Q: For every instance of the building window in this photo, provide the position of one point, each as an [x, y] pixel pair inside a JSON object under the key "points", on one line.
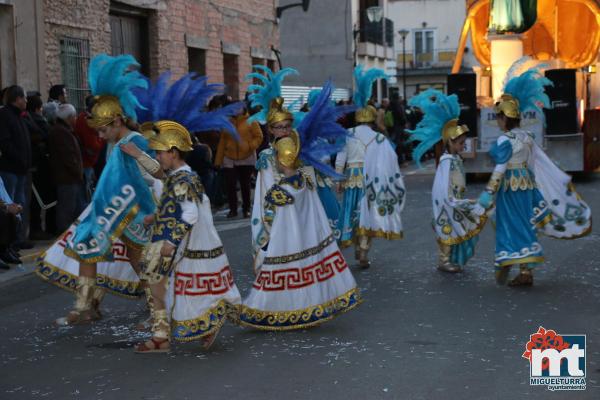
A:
{"points": [[424, 47], [231, 75], [74, 60], [271, 65], [197, 61]]}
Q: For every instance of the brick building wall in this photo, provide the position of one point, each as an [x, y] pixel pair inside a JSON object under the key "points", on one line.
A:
{"points": [[244, 29], [80, 19]]}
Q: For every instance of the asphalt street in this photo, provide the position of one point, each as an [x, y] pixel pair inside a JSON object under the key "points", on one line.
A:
{"points": [[420, 334]]}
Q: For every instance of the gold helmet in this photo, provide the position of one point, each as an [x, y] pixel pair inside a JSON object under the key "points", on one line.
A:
{"points": [[169, 134], [147, 129], [452, 130], [287, 149], [366, 114], [278, 113], [105, 110], [508, 106]]}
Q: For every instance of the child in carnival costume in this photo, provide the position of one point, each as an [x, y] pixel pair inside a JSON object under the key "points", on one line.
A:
{"points": [[457, 221], [531, 194], [185, 264], [374, 193], [191, 283], [302, 278], [110, 232]]}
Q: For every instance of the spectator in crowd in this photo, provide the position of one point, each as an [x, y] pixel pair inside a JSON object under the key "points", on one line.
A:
{"points": [[41, 177], [380, 120], [397, 134], [9, 214], [91, 146], [200, 159], [212, 138], [15, 146], [67, 167], [237, 159], [57, 94], [2, 101]]}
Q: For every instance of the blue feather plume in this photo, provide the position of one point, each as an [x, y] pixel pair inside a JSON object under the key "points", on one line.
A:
{"points": [[528, 89], [266, 91], [320, 134], [184, 102], [112, 76], [437, 110], [364, 84], [313, 95]]}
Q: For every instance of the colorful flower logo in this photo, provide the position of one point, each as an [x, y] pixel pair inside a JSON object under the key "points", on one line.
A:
{"points": [[545, 339]]}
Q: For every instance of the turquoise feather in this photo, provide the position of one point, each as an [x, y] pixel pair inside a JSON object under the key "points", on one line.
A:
{"points": [[113, 76]]}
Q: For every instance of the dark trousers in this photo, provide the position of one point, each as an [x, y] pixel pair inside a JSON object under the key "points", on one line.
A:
{"points": [[8, 232], [18, 188], [71, 202], [242, 174]]}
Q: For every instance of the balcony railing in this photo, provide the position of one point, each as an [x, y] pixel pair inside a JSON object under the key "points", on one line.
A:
{"points": [[432, 59], [381, 33]]}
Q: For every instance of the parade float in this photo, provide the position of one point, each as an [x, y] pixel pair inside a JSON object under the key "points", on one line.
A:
{"points": [[562, 38]]}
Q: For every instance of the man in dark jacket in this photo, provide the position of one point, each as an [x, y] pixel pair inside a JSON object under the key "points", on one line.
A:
{"points": [[67, 167], [15, 146], [41, 176]]}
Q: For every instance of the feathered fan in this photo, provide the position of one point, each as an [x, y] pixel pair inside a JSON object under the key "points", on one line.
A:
{"points": [[184, 102]]}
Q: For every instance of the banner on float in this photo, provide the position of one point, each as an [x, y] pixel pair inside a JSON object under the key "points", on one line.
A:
{"points": [[531, 121]]}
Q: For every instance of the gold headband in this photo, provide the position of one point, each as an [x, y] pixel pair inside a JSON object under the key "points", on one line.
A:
{"points": [[278, 113], [508, 106], [452, 130], [170, 134]]}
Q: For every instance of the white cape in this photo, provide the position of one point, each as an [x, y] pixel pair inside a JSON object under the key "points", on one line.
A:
{"points": [[571, 216], [454, 220], [385, 194]]}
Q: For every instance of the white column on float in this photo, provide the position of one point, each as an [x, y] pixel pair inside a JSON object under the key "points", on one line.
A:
{"points": [[506, 49]]}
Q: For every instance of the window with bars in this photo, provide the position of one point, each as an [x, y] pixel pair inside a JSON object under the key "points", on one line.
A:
{"points": [[74, 60]]}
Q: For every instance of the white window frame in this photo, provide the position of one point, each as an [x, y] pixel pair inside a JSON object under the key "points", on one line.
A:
{"points": [[424, 44]]}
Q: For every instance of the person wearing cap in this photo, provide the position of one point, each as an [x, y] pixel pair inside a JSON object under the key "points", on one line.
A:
{"points": [[531, 193], [457, 221], [374, 193], [186, 250]]}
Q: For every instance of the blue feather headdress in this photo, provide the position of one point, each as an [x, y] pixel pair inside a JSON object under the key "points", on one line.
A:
{"points": [[184, 102], [438, 109], [270, 88], [113, 76], [364, 84], [528, 90], [313, 95], [320, 134]]}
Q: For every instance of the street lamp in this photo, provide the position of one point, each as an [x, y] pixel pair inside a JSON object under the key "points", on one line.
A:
{"points": [[374, 15], [403, 34]]}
